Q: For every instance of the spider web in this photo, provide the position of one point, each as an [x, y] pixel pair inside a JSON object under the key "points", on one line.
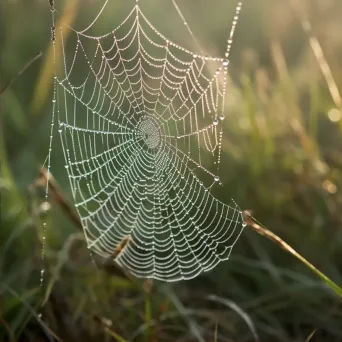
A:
{"points": [[139, 118]]}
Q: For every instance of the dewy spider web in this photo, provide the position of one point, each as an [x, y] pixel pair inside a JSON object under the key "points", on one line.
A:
{"points": [[136, 112]]}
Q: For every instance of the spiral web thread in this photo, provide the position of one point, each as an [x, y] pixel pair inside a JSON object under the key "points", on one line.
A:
{"points": [[136, 112]]}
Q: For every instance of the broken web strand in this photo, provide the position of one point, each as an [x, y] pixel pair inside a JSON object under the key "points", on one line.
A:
{"points": [[175, 213]]}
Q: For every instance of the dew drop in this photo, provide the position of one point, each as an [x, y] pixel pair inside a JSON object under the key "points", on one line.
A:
{"points": [[215, 122], [225, 62]]}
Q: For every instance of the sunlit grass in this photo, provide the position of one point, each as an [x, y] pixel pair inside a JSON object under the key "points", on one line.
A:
{"points": [[282, 159]]}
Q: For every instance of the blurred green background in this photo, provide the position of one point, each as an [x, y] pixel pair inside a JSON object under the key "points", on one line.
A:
{"points": [[282, 160]]}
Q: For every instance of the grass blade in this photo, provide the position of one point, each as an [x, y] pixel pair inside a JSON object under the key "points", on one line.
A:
{"points": [[230, 304], [275, 238]]}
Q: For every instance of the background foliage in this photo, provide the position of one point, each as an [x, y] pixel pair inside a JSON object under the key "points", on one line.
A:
{"points": [[282, 159]]}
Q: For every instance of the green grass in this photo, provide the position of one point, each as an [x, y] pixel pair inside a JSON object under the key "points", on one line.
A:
{"points": [[282, 160]]}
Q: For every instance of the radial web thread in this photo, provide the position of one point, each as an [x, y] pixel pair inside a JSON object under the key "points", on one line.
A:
{"points": [[138, 115]]}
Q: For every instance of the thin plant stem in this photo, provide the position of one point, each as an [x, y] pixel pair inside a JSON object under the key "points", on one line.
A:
{"points": [[21, 71], [250, 221]]}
